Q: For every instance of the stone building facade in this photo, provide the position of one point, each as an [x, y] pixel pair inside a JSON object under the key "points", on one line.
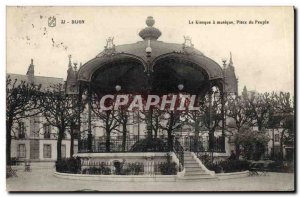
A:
{"points": [[33, 138]]}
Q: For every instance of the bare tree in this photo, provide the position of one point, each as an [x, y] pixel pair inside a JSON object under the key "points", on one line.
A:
{"points": [[282, 112], [109, 119], [22, 101], [59, 111], [73, 125], [153, 118], [195, 119], [260, 106], [239, 112], [212, 115], [171, 121], [122, 119]]}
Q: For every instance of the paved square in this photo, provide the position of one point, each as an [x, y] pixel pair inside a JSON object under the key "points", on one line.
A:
{"points": [[44, 180]]}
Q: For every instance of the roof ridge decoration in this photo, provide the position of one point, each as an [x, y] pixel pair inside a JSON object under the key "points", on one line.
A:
{"points": [[187, 42], [150, 32], [110, 47]]}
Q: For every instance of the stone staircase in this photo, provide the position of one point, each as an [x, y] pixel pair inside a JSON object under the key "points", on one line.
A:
{"points": [[193, 170]]}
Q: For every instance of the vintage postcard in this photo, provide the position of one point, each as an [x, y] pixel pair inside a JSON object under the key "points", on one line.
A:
{"points": [[148, 99]]}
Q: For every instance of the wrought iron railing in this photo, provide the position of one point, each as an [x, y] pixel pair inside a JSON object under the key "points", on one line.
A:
{"points": [[190, 143], [187, 143], [117, 144], [179, 152]]}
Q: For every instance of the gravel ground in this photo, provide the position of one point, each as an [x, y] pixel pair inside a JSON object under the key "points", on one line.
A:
{"points": [[44, 180]]}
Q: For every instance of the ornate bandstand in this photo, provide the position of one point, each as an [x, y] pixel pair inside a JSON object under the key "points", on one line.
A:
{"points": [[147, 67]]}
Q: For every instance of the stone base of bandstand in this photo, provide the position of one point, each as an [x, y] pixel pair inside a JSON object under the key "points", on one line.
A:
{"points": [[149, 160]]}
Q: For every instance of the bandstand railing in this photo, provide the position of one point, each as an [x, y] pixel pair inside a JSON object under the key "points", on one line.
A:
{"points": [[190, 143], [117, 144], [186, 143]]}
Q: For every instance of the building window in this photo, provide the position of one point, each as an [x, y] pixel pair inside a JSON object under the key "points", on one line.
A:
{"points": [[21, 130], [276, 137], [21, 151], [34, 149], [47, 151], [47, 131]]}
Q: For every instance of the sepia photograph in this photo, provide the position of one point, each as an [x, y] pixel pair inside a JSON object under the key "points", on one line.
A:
{"points": [[150, 99]]}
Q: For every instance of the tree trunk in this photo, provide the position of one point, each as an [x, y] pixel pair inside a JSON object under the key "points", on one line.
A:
{"points": [[281, 144], [149, 123], [259, 125], [237, 151], [170, 140], [107, 140], [196, 137], [156, 127], [124, 137], [9, 124], [61, 132], [71, 141], [211, 140], [237, 145], [170, 129]]}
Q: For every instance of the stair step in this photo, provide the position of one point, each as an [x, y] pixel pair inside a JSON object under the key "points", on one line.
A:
{"points": [[198, 177], [190, 169], [190, 161], [189, 173], [192, 166], [193, 171]]}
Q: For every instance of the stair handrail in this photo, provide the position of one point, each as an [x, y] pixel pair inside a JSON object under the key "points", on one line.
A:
{"points": [[179, 152]]}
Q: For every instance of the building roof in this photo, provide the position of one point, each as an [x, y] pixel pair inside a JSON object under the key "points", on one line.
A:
{"points": [[44, 81], [149, 51]]}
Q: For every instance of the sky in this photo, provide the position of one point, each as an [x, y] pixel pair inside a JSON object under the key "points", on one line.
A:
{"points": [[263, 55]]}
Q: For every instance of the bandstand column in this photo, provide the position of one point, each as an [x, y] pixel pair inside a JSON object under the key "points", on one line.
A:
{"points": [[89, 137], [211, 135], [223, 95], [78, 116], [210, 132]]}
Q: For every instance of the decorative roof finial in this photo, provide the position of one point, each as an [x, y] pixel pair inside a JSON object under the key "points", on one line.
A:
{"points": [[75, 66], [224, 63], [150, 21], [187, 42], [110, 43], [150, 32]]}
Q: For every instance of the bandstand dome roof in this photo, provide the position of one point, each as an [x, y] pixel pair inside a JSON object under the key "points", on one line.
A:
{"points": [[151, 51]]}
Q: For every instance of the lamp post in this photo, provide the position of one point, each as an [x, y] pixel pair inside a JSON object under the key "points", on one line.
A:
{"points": [[223, 96], [148, 51]]}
